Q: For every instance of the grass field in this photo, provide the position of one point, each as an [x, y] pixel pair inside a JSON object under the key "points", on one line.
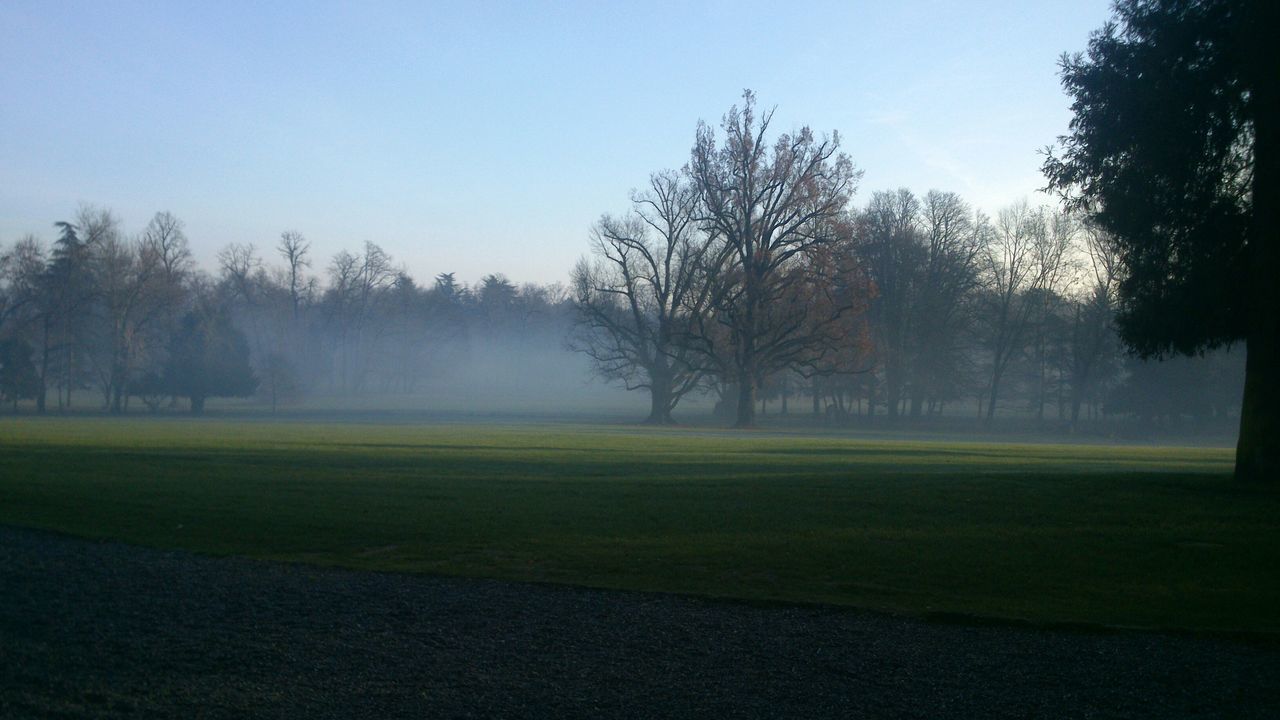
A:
{"points": [[1124, 536]]}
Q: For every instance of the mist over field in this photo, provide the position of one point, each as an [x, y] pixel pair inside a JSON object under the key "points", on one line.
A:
{"points": [[276, 331], [535, 376]]}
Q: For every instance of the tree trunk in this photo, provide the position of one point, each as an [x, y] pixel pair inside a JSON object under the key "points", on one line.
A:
{"points": [[1258, 448], [70, 373], [746, 404], [659, 401], [117, 398], [917, 402], [991, 399], [892, 390], [43, 394], [1040, 372]]}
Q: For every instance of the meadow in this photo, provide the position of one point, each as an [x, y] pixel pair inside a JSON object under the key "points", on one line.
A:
{"points": [[1136, 537]]}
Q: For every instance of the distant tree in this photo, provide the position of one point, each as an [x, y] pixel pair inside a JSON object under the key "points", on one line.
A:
{"points": [[943, 308], [447, 286], [279, 381], [240, 268], [637, 293], [1049, 329], [497, 298], [1093, 340], [445, 317], [357, 284], [1168, 391], [165, 238], [1023, 262], [25, 303], [208, 358], [18, 377], [294, 248], [21, 270], [286, 337], [889, 243], [138, 296], [838, 347], [772, 207], [152, 390], [119, 278], [69, 293], [1174, 150]]}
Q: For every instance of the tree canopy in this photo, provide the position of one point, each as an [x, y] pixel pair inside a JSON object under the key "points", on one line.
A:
{"points": [[209, 357]]}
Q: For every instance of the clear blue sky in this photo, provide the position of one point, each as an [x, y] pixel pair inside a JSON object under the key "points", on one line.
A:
{"points": [[487, 137]]}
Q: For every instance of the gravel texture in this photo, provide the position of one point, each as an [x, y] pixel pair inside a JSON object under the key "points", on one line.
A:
{"points": [[104, 630]]}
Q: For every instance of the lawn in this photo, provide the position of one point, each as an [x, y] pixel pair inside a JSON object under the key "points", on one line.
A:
{"points": [[1123, 536]]}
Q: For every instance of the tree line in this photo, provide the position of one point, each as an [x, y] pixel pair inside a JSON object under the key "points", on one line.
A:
{"points": [[749, 275], [132, 319]]}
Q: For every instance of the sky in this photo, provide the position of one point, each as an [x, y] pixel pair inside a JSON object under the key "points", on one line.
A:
{"points": [[482, 137]]}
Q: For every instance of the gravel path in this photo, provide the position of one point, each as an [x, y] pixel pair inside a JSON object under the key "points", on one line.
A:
{"points": [[106, 630]]}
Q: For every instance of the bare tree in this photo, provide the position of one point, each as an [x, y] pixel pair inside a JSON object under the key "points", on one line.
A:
{"points": [[838, 350], [635, 300], [165, 239], [294, 248], [27, 306], [240, 267], [1093, 337], [355, 285], [1023, 261], [889, 242], [139, 297], [943, 308], [771, 209], [20, 270], [119, 280]]}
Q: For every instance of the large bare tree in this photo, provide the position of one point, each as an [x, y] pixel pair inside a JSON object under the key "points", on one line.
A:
{"points": [[637, 295], [772, 208]]}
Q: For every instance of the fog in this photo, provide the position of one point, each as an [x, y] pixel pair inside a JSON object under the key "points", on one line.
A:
{"points": [[535, 377], [274, 331]]}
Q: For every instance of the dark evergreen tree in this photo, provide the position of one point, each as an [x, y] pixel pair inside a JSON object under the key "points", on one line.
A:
{"points": [[1175, 151], [208, 358], [18, 377]]}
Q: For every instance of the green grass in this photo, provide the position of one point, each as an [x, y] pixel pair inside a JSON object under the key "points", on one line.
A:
{"points": [[1125, 536]]}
